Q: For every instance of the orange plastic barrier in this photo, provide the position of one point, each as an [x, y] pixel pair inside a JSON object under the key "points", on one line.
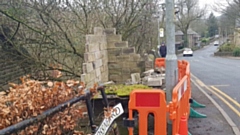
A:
{"points": [[145, 102], [159, 62], [183, 66], [180, 103]]}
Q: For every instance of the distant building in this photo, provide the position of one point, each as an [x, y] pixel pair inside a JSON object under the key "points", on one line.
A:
{"points": [[236, 37], [193, 38]]}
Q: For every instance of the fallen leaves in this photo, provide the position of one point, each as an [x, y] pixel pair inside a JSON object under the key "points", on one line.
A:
{"points": [[31, 98]]}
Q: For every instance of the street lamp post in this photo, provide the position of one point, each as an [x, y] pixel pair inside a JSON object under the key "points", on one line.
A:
{"points": [[158, 30], [171, 58]]}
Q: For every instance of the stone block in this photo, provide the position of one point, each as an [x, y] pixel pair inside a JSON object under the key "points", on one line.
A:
{"points": [[114, 65], [104, 68], [135, 70], [104, 61], [149, 64], [115, 51], [89, 57], [98, 55], [85, 78], [124, 64], [95, 39], [125, 77], [113, 38], [111, 44], [109, 31], [92, 47], [98, 72], [104, 78], [133, 64], [135, 77], [128, 50], [115, 71], [126, 71], [102, 46], [97, 79], [90, 84], [97, 63], [112, 58], [122, 44], [98, 31], [154, 81], [104, 53], [134, 57], [92, 75], [115, 78], [87, 67], [123, 57]]}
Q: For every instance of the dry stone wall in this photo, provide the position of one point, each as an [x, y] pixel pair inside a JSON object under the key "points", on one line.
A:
{"points": [[122, 59], [95, 67], [108, 58]]}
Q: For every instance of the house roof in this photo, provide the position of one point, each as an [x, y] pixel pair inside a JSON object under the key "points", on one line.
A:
{"points": [[178, 33], [189, 32]]}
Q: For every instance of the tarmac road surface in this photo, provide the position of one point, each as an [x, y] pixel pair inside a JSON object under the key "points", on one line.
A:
{"points": [[219, 77]]}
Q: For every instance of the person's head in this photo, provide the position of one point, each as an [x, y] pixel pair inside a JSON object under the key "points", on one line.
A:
{"points": [[163, 44]]}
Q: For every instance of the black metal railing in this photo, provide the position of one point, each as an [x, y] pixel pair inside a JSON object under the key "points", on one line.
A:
{"points": [[87, 97]]}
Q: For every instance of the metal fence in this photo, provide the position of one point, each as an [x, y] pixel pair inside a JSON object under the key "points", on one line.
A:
{"points": [[25, 123], [39, 120]]}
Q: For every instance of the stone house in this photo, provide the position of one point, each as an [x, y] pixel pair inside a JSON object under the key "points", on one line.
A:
{"points": [[193, 38], [236, 37]]}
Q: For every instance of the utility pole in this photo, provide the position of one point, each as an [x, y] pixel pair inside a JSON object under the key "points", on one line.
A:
{"points": [[171, 58], [158, 29]]}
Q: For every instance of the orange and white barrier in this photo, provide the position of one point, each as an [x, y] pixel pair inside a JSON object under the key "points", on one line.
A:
{"points": [[154, 101]]}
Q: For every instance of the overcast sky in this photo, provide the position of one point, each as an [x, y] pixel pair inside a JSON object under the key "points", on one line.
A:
{"points": [[210, 3]]}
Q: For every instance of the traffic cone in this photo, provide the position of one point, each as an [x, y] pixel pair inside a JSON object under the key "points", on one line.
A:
{"points": [[183, 127]]}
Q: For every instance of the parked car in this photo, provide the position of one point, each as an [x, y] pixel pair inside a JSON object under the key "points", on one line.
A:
{"points": [[216, 43], [187, 52]]}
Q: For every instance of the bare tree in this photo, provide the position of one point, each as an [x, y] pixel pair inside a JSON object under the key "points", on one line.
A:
{"points": [[189, 12], [53, 33], [132, 19]]}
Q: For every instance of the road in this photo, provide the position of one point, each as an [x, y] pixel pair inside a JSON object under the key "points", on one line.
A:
{"points": [[220, 77]]}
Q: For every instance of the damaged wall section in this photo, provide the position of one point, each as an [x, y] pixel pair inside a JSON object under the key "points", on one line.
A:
{"points": [[122, 59], [95, 67], [108, 58]]}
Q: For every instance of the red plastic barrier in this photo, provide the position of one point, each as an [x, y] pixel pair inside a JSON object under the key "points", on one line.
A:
{"points": [[145, 102]]}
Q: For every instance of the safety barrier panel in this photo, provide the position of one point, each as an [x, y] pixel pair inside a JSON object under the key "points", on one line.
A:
{"points": [[183, 67], [146, 102], [159, 62], [180, 104]]}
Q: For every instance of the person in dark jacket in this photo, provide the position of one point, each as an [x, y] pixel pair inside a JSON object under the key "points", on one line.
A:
{"points": [[163, 50]]}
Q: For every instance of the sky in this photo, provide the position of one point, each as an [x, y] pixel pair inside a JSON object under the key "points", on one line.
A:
{"points": [[210, 3]]}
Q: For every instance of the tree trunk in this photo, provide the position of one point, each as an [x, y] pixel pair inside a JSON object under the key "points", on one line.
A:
{"points": [[185, 38]]}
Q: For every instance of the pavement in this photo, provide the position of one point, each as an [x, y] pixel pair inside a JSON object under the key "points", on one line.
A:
{"points": [[216, 123]]}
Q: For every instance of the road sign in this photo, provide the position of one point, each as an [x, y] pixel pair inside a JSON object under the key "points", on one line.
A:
{"points": [[115, 113], [161, 32]]}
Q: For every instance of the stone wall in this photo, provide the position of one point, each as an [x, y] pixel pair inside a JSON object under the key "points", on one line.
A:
{"points": [[108, 58], [122, 59], [223, 53], [95, 67]]}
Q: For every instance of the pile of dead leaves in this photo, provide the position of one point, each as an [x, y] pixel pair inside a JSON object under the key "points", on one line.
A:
{"points": [[31, 98]]}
